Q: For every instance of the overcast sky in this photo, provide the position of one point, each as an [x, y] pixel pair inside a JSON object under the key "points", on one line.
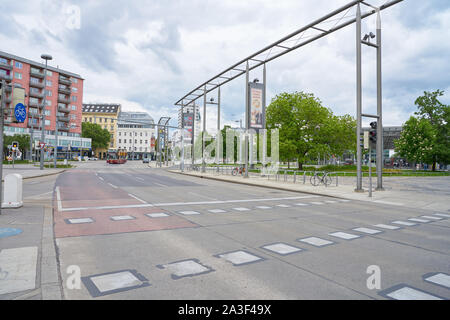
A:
{"points": [[146, 55]]}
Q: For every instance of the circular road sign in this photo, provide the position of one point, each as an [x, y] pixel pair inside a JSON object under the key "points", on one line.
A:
{"points": [[20, 112]]}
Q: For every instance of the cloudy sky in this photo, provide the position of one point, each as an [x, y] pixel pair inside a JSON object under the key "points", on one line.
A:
{"points": [[148, 54]]}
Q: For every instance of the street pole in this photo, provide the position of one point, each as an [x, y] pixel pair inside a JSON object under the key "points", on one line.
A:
{"points": [[204, 130], [370, 172], [2, 114], [46, 57], [182, 138], [219, 134], [56, 131], [166, 157], [358, 101], [380, 144], [31, 137], [193, 135], [246, 120]]}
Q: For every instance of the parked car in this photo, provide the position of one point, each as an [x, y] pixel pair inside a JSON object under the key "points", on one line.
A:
{"points": [[93, 158], [146, 160]]}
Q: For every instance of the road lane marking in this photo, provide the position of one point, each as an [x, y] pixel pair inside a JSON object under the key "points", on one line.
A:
{"points": [[386, 226], [157, 215], [409, 293], [440, 278], [186, 268], [58, 199], [263, 207], [241, 209], [283, 205], [109, 207], [390, 203], [432, 218], [18, 269], [101, 178], [367, 230], [282, 248], [188, 213], [442, 215], [317, 203], [344, 235], [115, 187], [133, 196], [217, 211], [418, 220], [404, 223], [238, 258], [318, 242]]}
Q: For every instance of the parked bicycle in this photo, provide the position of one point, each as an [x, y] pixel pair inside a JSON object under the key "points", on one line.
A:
{"points": [[238, 170], [319, 178]]}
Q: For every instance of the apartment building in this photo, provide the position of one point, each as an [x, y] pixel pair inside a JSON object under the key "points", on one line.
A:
{"points": [[105, 115], [136, 135], [60, 98]]}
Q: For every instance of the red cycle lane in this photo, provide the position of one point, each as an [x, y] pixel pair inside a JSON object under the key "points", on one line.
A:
{"points": [[78, 204]]}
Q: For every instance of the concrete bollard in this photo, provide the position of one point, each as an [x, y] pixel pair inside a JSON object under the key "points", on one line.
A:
{"points": [[13, 197]]}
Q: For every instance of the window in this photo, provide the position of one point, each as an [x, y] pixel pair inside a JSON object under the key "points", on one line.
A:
{"points": [[112, 127], [74, 98], [49, 73], [74, 89], [18, 75], [120, 141], [146, 141], [47, 112], [141, 134], [73, 116], [74, 80], [90, 119], [49, 93], [34, 80], [135, 141], [74, 108], [131, 141], [3, 61], [47, 122], [100, 120], [48, 103], [19, 65], [120, 133], [141, 142]]}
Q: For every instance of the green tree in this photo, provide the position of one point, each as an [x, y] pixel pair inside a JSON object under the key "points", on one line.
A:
{"points": [[438, 114], [22, 139], [307, 128], [100, 137], [417, 141]]}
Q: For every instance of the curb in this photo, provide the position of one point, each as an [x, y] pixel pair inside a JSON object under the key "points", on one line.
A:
{"points": [[258, 185], [43, 175]]}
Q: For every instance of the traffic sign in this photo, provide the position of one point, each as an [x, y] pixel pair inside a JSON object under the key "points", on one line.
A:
{"points": [[41, 145], [20, 112]]}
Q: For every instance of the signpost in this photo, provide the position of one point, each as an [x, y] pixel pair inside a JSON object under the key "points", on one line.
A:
{"points": [[20, 113]]}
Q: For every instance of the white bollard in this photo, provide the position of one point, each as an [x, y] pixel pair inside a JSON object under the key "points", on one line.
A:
{"points": [[13, 197]]}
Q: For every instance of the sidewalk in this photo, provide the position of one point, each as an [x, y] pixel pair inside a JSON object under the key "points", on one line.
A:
{"points": [[28, 171], [392, 196]]}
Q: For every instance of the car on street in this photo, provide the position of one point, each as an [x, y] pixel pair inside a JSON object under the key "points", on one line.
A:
{"points": [[146, 160], [93, 158]]}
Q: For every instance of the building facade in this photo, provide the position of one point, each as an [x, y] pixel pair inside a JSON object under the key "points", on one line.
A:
{"points": [[136, 135], [187, 117], [105, 115], [60, 97]]}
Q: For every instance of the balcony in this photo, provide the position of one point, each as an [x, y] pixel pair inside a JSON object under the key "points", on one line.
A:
{"points": [[64, 90], [37, 74], [39, 85], [63, 119], [7, 78], [6, 66], [63, 128], [63, 109], [63, 100], [34, 104], [34, 125], [36, 95], [65, 81]]}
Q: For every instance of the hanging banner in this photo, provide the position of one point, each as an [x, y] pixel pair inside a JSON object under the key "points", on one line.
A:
{"points": [[257, 112]]}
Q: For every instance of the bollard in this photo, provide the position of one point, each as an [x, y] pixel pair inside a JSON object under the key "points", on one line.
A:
{"points": [[13, 197], [295, 176], [304, 177]]}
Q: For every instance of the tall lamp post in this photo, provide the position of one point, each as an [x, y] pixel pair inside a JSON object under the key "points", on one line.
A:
{"points": [[46, 57]]}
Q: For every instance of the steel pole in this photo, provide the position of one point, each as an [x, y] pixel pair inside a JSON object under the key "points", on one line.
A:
{"points": [[55, 152], [204, 130], [246, 120], [43, 118], [380, 144], [182, 138], [358, 100], [2, 114], [31, 137], [219, 134], [193, 135]]}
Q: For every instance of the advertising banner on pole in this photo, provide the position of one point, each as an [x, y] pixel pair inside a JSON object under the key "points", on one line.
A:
{"points": [[257, 112]]}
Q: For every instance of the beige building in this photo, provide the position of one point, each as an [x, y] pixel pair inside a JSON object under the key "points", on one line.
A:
{"points": [[105, 115]]}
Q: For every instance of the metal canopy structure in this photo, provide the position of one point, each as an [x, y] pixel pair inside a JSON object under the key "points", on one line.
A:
{"points": [[326, 25]]}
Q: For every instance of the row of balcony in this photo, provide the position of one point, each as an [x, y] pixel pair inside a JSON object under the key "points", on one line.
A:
{"points": [[39, 85], [37, 125], [6, 66]]}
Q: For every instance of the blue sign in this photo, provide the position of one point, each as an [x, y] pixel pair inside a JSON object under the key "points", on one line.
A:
{"points": [[20, 112]]}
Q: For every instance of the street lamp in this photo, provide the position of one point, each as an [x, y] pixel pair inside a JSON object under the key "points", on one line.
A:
{"points": [[46, 57]]}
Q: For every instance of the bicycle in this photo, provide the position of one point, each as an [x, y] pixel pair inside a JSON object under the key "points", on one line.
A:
{"points": [[317, 179], [240, 170]]}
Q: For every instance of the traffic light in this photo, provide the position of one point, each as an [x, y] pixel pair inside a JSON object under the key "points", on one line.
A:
{"points": [[373, 133]]}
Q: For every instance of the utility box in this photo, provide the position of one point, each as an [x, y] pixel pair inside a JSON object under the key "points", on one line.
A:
{"points": [[13, 196]]}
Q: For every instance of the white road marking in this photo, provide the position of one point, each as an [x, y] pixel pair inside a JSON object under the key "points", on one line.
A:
{"points": [[391, 203], [188, 213], [217, 211], [157, 215], [80, 220], [101, 178], [284, 205], [133, 196], [201, 195], [18, 269], [239, 257], [330, 201], [317, 203], [407, 293], [186, 268], [432, 218], [404, 223], [241, 209], [300, 204], [115, 281], [440, 279], [282, 248], [39, 195], [386, 226], [419, 220], [263, 207], [120, 218], [367, 230], [318, 242], [344, 235], [58, 200], [139, 178], [115, 187], [109, 207], [442, 215], [159, 184]]}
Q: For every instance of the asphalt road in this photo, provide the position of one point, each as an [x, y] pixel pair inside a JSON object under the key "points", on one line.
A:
{"points": [[140, 233]]}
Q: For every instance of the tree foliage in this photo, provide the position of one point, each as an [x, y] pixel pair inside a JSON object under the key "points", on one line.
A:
{"points": [[307, 128], [100, 137]]}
